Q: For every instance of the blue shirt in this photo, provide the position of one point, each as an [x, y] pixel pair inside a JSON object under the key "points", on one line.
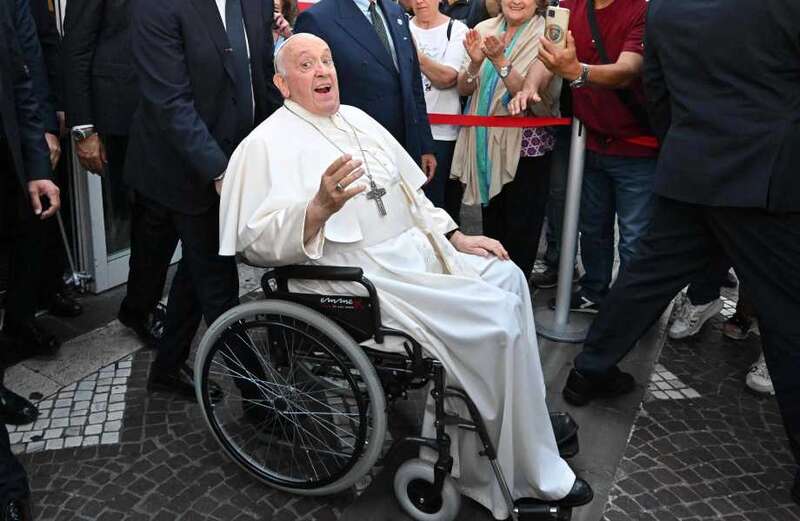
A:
{"points": [[363, 6]]}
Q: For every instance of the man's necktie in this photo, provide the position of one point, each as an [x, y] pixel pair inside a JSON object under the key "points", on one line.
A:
{"points": [[380, 29], [234, 24]]}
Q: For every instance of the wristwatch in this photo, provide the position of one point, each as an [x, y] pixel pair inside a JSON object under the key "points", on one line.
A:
{"points": [[81, 133], [504, 71], [581, 80]]}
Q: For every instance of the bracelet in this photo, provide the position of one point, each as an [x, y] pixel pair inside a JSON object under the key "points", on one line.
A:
{"points": [[451, 233]]}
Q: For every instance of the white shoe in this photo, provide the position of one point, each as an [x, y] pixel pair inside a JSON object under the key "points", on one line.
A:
{"points": [[690, 318], [758, 377]]}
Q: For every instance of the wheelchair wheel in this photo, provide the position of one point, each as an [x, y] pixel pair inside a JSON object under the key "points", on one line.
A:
{"points": [[412, 487], [303, 410]]}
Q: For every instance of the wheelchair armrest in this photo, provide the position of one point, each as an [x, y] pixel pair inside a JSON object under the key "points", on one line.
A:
{"points": [[339, 273]]}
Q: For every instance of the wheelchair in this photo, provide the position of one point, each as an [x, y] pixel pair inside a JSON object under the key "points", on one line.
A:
{"points": [[305, 405]]}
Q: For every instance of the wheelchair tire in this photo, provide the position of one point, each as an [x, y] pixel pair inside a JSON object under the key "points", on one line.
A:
{"points": [[334, 433], [411, 478]]}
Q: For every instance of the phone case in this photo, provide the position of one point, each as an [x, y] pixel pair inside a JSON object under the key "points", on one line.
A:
{"points": [[555, 28]]}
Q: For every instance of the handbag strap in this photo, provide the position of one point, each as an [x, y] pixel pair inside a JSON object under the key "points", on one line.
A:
{"points": [[624, 95]]}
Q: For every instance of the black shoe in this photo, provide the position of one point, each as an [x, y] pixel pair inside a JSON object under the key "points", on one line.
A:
{"points": [[579, 304], [580, 495], [564, 427], [796, 488], [16, 410], [140, 326], [31, 338], [63, 305], [17, 510], [180, 383], [549, 278], [580, 390]]}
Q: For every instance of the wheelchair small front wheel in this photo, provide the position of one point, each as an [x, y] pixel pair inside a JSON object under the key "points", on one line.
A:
{"points": [[413, 484]]}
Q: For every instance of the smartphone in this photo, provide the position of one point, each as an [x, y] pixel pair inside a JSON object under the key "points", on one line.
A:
{"points": [[556, 25]]}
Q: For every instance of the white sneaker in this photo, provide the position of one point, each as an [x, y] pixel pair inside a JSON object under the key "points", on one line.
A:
{"points": [[690, 318], [758, 377]]}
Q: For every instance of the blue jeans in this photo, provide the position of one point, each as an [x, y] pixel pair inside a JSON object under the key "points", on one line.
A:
{"points": [[612, 185], [444, 192]]}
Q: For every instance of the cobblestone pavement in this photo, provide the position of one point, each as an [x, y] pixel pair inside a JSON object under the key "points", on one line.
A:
{"points": [[166, 466], [720, 455]]}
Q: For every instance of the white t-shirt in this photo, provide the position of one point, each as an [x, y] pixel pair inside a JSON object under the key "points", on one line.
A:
{"points": [[433, 43]]}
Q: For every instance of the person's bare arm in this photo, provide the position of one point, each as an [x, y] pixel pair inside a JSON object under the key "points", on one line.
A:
{"points": [[473, 43], [536, 81], [564, 62], [441, 76]]}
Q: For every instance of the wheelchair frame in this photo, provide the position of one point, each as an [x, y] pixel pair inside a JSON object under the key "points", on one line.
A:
{"points": [[360, 317]]}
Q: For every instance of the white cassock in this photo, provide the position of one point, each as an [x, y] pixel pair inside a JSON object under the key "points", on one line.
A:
{"points": [[473, 314]]}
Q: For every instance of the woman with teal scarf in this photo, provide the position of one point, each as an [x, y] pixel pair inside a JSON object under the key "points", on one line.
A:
{"points": [[505, 169]]}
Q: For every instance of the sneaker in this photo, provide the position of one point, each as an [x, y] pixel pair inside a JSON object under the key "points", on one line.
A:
{"points": [[549, 278], [739, 327], [758, 379], [579, 304], [690, 318]]}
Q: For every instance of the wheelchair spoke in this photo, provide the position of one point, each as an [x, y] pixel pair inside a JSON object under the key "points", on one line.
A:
{"points": [[305, 418]]}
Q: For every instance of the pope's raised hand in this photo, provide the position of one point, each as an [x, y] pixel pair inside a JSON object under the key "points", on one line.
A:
{"points": [[333, 190]]}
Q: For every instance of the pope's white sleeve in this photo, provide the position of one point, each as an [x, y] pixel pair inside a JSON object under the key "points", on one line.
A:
{"points": [[275, 238], [261, 215]]}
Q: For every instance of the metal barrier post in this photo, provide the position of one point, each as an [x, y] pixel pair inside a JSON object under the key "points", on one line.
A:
{"points": [[560, 325]]}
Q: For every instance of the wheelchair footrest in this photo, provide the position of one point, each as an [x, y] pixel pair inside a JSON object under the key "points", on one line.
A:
{"points": [[533, 510]]}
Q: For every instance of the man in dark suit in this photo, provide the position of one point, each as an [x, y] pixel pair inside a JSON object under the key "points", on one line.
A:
{"points": [[101, 96], [727, 105], [24, 287], [377, 66], [205, 69], [25, 180]]}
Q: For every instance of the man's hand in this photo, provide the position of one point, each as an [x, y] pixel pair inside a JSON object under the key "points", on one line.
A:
{"points": [[494, 48], [47, 189], [478, 245], [522, 100], [558, 60], [281, 26], [428, 164], [92, 154], [55, 148], [473, 43], [333, 191]]}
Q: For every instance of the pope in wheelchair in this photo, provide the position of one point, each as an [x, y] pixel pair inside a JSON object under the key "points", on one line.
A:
{"points": [[373, 292]]}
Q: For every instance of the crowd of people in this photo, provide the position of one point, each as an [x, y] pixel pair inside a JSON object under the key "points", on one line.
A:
{"points": [[178, 103]]}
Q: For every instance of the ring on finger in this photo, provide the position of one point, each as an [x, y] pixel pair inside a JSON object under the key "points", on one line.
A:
{"points": [[339, 187]]}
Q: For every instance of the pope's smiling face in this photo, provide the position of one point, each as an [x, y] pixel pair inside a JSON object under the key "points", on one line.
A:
{"points": [[306, 74]]}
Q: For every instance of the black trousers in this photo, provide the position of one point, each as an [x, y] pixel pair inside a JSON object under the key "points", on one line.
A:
{"points": [[515, 215], [682, 241], [205, 285], [22, 242], [13, 479], [153, 237]]}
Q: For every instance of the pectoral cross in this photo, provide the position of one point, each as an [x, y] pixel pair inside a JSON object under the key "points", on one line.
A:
{"points": [[376, 193]]}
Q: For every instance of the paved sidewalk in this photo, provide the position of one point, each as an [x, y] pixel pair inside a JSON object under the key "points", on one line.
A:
{"points": [[720, 453]]}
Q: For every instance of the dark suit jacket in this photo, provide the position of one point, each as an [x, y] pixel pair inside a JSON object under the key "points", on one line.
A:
{"points": [[50, 40], [723, 85], [22, 127], [187, 125], [99, 80], [367, 76], [32, 52]]}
